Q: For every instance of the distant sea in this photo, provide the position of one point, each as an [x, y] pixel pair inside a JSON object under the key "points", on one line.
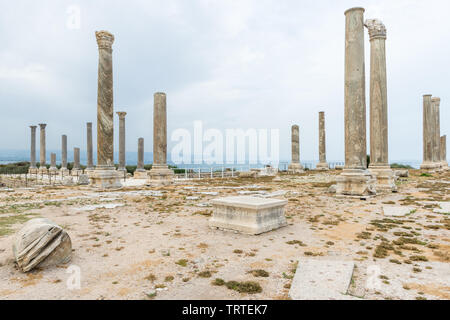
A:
{"points": [[11, 156]]}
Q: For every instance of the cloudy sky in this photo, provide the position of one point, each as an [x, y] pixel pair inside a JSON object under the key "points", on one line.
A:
{"points": [[232, 64]]}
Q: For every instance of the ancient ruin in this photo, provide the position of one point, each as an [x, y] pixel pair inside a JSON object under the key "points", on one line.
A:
{"points": [[89, 144], [295, 166], [121, 115], [140, 172], [322, 165]]}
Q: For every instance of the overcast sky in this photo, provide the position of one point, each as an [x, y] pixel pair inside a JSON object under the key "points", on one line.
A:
{"points": [[232, 64]]}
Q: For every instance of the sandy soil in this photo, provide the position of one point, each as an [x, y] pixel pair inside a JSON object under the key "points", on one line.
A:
{"points": [[153, 243]]}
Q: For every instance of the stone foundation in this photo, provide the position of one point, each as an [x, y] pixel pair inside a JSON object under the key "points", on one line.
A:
{"points": [[322, 166], [385, 179], [160, 175], [355, 182], [76, 172], [248, 215], [140, 174], [105, 178], [296, 168], [33, 170]]}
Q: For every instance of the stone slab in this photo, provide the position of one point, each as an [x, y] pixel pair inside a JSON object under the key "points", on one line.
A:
{"points": [[322, 280], [397, 211], [444, 208], [248, 215]]}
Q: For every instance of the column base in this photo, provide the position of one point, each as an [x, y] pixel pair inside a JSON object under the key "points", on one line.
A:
{"points": [[140, 174], [53, 170], [385, 178], [322, 166], [296, 168], [64, 172], [160, 175], [76, 172], [105, 178], [444, 165], [89, 169], [355, 182], [429, 166], [43, 170], [33, 170]]}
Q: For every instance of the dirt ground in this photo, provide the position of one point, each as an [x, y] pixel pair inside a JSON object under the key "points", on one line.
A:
{"points": [[154, 243]]}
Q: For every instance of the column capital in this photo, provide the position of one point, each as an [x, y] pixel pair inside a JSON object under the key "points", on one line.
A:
{"points": [[33, 127], [89, 124], [354, 9], [105, 39], [42, 125], [121, 114], [436, 100], [377, 29]]}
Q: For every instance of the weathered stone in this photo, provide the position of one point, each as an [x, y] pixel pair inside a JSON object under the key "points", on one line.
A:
{"points": [[402, 173], [443, 143], [249, 215], [379, 159], [42, 150], [428, 134], [436, 152], [332, 189], [53, 168], [140, 172], [268, 171], [322, 165], [90, 153], [322, 280], [76, 170], [41, 243], [248, 174], [160, 174], [83, 179], [295, 165], [67, 181], [397, 211], [105, 176], [121, 140], [355, 179], [33, 167]]}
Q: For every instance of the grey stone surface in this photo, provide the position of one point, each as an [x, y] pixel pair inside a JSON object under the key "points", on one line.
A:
{"points": [[33, 148], [42, 149], [41, 243], [295, 166], [90, 152], [443, 144], [322, 165], [249, 215], [140, 162], [64, 152], [436, 153], [322, 280], [428, 134], [83, 179], [397, 211], [121, 115]]}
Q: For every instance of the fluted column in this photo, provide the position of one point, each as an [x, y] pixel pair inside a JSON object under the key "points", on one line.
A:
{"points": [[322, 165], [160, 171], [355, 179], [140, 162], [33, 167], [427, 133], [105, 176], [436, 154], [443, 143], [295, 166], [90, 154], [121, 140], [53, 162], [42, 150]]}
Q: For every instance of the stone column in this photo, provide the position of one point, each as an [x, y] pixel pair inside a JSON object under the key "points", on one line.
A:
{"points": [[33, 168], [42, 151], [105, 175], [427, 134], [379, 158], [90, 154], [64, 169], [436, 154], [53, 163], [76, 170], [355, 179], [122, 140], [295, 166], [443, 144], [160, 173], [322, 165], [140, 172]]}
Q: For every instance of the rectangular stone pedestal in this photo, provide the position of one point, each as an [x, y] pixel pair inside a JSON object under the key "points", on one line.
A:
{"points": [[322, 166], [76, 172], [42, 170], [385, 179], [105, 178], [296, 168], [160, 175], [355, 182], [249, 215], [33, 170], [140, 174]]}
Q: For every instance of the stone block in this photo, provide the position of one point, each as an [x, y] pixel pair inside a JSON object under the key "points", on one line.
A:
{"points": [[105, 178], [248, 215]]}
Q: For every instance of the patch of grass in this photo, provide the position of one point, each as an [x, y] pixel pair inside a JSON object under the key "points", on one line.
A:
{"points": [[364, 235], [182, 262], [205, 274], [259, 273], [7, 222], [300, 243], [218, 282], [418, 258], [151, 277], [244, 287], [237, 251], [168, 278]]}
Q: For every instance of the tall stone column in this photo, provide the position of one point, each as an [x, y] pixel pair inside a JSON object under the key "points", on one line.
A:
{"points": [[443, 143], [322, 165], [427, 134], [160, 172], [42, 150], [105, 175], [140, 172], [355, 179], [122, 140], [64, 169], [295, 166], [76, 170], [379, 158], [90, 154], [436, 153], [53, 168], [33, 168]]}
